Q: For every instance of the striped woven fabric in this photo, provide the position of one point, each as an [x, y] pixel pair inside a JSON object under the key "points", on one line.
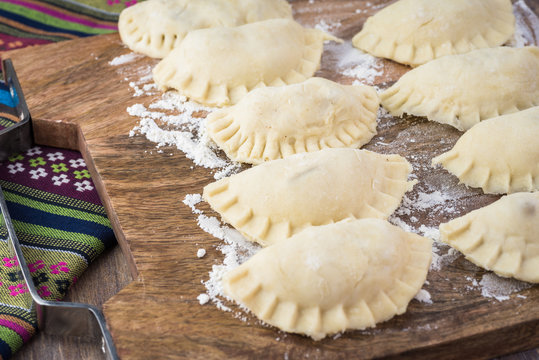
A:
{"points": [[60, 235], [31, 22], [55, 208]]}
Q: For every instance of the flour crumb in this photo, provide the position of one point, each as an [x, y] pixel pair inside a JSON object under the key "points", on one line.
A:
{"points": [[201, 253], [192, 200], [423, 296], [203, 299], [124, 59]]}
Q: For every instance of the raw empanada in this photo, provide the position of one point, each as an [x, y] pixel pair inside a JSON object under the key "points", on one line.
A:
{"points": [[499, 155], [273, 122], [416, 31], [502, 237], [275, 200], [326, 279], [219, 66], [155, 27], [462, 90]]}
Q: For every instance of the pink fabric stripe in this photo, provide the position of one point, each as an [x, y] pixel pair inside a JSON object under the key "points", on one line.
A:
{"points": [[17, 328], [60, 15]]}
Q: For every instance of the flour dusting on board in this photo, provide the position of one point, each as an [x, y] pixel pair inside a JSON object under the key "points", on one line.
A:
{"points": [[354, 63], [170, 121], [235, 248], [498, 288], [327, 27]]}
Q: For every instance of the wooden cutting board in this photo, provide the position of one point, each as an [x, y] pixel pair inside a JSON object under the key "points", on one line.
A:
{"points": [[78, 100]]}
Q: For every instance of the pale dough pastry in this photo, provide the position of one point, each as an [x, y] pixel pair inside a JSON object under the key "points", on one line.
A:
{"points": [[416, 31], [219, 66], [499, 155], [327, 279], [502, 237], [462, 90], [155, 27], [275, 200], [275, 122]]}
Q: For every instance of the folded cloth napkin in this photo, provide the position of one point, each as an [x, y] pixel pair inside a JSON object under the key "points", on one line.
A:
{"points": [[55, 209]]}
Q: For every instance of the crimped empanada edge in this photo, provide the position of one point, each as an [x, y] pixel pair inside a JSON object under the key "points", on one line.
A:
{"points": [[227, 133], [383, 306]]}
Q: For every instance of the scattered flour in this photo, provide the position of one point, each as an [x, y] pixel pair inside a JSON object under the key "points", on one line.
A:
{"points": [[356, 64], [423, 296], [181, 129], [426, 202], [498, 288], [526, 26], [429, 200], [368, 5], [191, 200], [327, 27], [431, 233], [235, 248], [442, 255], [147, 89], [172, 120], [124, 59]]}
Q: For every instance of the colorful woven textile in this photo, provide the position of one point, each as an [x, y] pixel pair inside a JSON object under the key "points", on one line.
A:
{"points": [[60, 235], [32, 22], [55, 209]]}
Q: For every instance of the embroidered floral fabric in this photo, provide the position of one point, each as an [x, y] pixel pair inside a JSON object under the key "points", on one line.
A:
{"points": [[52, 200]]}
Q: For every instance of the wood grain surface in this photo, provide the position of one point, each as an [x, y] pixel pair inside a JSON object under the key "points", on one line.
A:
{"points": [[78, 100]]}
